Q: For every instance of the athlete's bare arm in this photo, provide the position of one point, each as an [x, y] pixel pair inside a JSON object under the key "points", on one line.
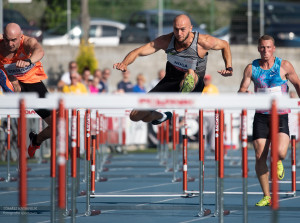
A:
{"points": [[145, 50], [208, 42], [34, 49], [291, 75], [246, 81]]}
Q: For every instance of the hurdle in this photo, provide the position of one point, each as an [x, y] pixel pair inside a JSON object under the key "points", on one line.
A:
{"points": [[259, 102]]}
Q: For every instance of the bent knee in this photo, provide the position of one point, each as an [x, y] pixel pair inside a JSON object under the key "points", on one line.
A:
{"points": [[133, 117]]}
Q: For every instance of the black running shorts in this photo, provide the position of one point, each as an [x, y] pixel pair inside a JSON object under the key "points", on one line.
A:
{"points": [[172, 79], [41, 89], [261, 125]]}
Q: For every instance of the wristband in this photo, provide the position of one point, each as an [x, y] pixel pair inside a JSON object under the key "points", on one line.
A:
{"points": [[229, 68], [28, 60]]}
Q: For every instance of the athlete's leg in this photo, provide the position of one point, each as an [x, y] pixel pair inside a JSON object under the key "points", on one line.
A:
{"points": [[189, 81], [15, 83], [46, 132], [283, 144], [261, 147]]}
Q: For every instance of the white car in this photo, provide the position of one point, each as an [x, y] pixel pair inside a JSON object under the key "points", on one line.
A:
{"points": [[102, 32]]}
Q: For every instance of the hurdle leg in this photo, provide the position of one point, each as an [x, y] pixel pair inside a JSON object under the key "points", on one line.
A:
{"points": [[67, 213], [202, 212], [8, 149], [88, 161], [53, 166], [22, 163], [293, 160], [217, 126], [245, 164], [61, 198], [221, 169], [274, 155], [73, 166], [167, 145], [8, 179]]}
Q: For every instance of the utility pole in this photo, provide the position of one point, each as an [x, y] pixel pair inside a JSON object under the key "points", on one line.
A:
{"points": [[69, 18], [85, 20], [249, 16], [160, 17]]}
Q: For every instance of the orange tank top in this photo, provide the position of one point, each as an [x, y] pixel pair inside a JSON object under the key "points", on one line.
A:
{"points": [[31, 74]]}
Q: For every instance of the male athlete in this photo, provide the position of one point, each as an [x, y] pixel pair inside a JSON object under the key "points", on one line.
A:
{"points": [[187, 56], [20, 61], [270, 75]]}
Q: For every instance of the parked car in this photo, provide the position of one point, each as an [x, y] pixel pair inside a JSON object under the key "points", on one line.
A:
{"points": [[103, 32], [142, 26], [282, 22], [14, 16]]}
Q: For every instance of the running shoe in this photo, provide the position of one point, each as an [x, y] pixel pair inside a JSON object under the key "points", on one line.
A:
{"points": [[265, 201], [157, 122], [188, 84], [280, 170], [32, 148]]}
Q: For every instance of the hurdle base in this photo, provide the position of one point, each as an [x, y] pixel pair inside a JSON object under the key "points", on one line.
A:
{"points": [[12, 179], [177, 180], [44, 161], [206, 212], [191, 179], [169, 170], [226, 212], [70, 212], [82, 193], [104, 169], [93, 213], [101, 179]]}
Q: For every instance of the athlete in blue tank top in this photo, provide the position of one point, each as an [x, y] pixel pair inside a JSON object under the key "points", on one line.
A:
{"points": [[269, 81], [270, 75]]}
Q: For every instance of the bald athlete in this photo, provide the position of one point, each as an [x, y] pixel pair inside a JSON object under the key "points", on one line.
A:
{"points": [[20, 61], [187, 56]]}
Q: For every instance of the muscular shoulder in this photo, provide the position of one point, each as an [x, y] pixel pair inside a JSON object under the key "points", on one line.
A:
{"points": [[248, 70], [286, 65], [30, 44], [29, 41], [162, 42], [209, 42]]}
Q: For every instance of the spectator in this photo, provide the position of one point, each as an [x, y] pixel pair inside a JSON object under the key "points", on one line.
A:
{"points": [[65, 78], [94, 86], [140, 86], [76, 86], [160, 75], [105, 76], [125, 84], [86, 77], [209, 88], [101, 85]]}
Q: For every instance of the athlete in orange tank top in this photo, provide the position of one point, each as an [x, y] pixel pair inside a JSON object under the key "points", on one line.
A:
{"points": [[20, 62], [20, 59]]}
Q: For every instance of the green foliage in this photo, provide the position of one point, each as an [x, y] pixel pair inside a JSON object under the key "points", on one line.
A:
{"points": [[56, 12], [116, 9], [86, 57]]}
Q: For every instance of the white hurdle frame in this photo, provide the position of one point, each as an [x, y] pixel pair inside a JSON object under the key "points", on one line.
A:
{"points": [[151, 101]]}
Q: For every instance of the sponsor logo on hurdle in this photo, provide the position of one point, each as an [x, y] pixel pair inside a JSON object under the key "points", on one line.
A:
{"points": [[165, 102], [29, 112]]}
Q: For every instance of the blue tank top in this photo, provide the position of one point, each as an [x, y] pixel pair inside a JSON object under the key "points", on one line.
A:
{"points": [[269, 81]]}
